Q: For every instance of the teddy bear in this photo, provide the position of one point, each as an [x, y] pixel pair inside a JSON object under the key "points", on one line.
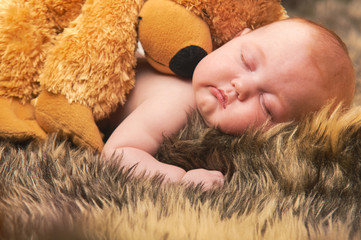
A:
{"points": [[66, 64]]}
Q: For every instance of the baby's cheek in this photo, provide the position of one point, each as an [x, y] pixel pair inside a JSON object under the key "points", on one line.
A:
{"points": [[236, 124]]}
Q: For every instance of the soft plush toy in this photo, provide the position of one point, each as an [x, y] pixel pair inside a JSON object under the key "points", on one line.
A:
{"points": [[175, 40], [77, 57]]}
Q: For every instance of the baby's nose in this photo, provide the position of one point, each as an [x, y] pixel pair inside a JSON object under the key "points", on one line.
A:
{"points": [[244, 89]]}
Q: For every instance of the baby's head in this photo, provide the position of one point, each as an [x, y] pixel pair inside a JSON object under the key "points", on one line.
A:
{"points": [[277, 73]]}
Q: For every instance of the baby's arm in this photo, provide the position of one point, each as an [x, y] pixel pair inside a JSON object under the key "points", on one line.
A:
{"points": [[161, 113], [139, 136]]}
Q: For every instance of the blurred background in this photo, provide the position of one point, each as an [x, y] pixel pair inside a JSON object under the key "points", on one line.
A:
{"points": [[341, 16]]}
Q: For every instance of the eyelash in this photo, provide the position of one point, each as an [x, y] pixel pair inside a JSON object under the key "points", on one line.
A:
{"points": [[264, 106], [245, 62]]}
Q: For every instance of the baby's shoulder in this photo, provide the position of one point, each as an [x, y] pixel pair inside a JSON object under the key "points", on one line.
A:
{"points": [[150, 83]]}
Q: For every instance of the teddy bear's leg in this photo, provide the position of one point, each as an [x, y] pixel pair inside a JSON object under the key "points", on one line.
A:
{"points": [[27, 28], [82, 131], [91, 67], [17, 121], [22, 50]]}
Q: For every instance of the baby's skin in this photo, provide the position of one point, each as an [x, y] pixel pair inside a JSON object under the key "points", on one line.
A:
{"points": [[156, 107], [277, 73]]}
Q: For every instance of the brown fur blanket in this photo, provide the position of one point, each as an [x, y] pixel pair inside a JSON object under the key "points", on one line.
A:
{"points": [[292, 182], [295, 181]]}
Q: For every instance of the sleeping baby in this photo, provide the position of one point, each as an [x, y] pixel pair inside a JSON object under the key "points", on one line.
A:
{"points": [[277, 73]]}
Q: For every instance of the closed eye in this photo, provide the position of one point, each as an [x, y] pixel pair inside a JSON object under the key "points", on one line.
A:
{"points": [[264, 106], [245, 62]]}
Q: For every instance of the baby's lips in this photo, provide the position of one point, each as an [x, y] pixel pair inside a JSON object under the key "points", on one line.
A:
{"points": [[220, 95]]}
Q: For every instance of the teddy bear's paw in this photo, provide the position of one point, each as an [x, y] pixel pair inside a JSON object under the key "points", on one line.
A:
{"points": [[72, 120], [17, 121]]}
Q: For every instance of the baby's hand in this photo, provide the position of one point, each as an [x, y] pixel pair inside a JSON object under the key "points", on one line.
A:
{"points": [[208, 179]]}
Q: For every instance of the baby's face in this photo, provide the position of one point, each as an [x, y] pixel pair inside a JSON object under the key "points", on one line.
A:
{"points": [[266, 75]]}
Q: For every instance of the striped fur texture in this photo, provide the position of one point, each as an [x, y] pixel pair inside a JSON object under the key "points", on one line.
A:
{"points": [[296, 181]]}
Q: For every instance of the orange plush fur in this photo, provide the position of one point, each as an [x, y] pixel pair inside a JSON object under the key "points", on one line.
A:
{"points": [[80, 56], [226, 18], [27, 30]]}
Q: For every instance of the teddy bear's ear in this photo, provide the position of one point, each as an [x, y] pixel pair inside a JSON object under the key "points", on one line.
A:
{"points": [[174, 39], [226, 18]]}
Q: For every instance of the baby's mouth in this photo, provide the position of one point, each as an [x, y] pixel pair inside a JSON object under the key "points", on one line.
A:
{"points": [[219, 94]]}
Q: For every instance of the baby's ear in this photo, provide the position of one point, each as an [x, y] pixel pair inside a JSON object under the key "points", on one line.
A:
{"points": [[243, 32]]}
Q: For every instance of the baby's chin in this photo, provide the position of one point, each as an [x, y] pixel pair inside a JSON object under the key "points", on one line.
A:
{"points": [[206, 120]]}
